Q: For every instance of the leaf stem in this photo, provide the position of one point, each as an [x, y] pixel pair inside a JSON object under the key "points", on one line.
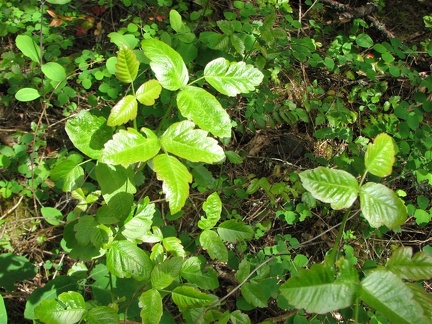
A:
{"points": [[339, 237]]}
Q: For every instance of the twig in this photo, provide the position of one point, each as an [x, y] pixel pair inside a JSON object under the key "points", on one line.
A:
{"points": [[12, 208]]}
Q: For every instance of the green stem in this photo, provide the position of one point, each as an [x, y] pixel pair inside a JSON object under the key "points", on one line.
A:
{"points": [[339, 237], [356, 310]]}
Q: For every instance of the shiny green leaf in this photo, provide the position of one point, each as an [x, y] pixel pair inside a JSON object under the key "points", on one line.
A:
{"points": [[232, 79], [407, 266], [190, 297], [234, 231], [381, 206], [380, 156], [129, 146], [126, 109], [176, 179], [96, 130], [127, 65], [28, 47], [152, 307], [337, 187], [69, 308], [212, 243], [192, 272], [163, 274], [54, 71], [387, 293], [27, 94], [125, 259], [213, 208], [317, 291], [204, 110], [148, 92], [166, 63], [192, 144]]}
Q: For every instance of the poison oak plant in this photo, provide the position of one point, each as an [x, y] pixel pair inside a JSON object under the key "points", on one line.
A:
{"points": [[112, 235], [336, 283]]}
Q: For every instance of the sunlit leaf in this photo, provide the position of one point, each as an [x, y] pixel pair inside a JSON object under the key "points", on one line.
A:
{"points": [[69, 308], [381, 206], [254, 295], [28, 47], [96, 130], [380, 156], [152, 308], [337, 187], [54, 71], [174, 245], [140, 224], [212, 243], [176, 179], [234, 231], [204, 110], [148, 92], [317, 291], [176, 21], [192, 144], [191, 271], [163, 274], [127, 65], [125, 259], [190, 297], [407, 266], [126, 109], [102, 314], [232, 79], [166, 63], [129, 146], [213, 208], [386, 292], [27, 94]]}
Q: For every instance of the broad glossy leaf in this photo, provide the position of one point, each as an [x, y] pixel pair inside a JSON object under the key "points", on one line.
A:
{"points": [[54, 71], [337, 187], [234, 231], [386, 292], [317, 291], [166, 63], [96, 130], [152, 308], [127, 65], [191, 271], [113, 180], [204, 109], [126, 109], [237, 317], [381, 206], [233, 78], [102, 314], [129, 146], [52, 215], [50, 291], [84, 229], [212, 243], [422, 297], [190, 297], [163, 274], [254, 295], [380, 156], [69, 308], [192, 144], [148, 92], [407, 266], [176, 179], [27, 94], [68, 173], [140, 224], [213, 208], [125, 259], [176, 21], [174, 245], [28, 47]]}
